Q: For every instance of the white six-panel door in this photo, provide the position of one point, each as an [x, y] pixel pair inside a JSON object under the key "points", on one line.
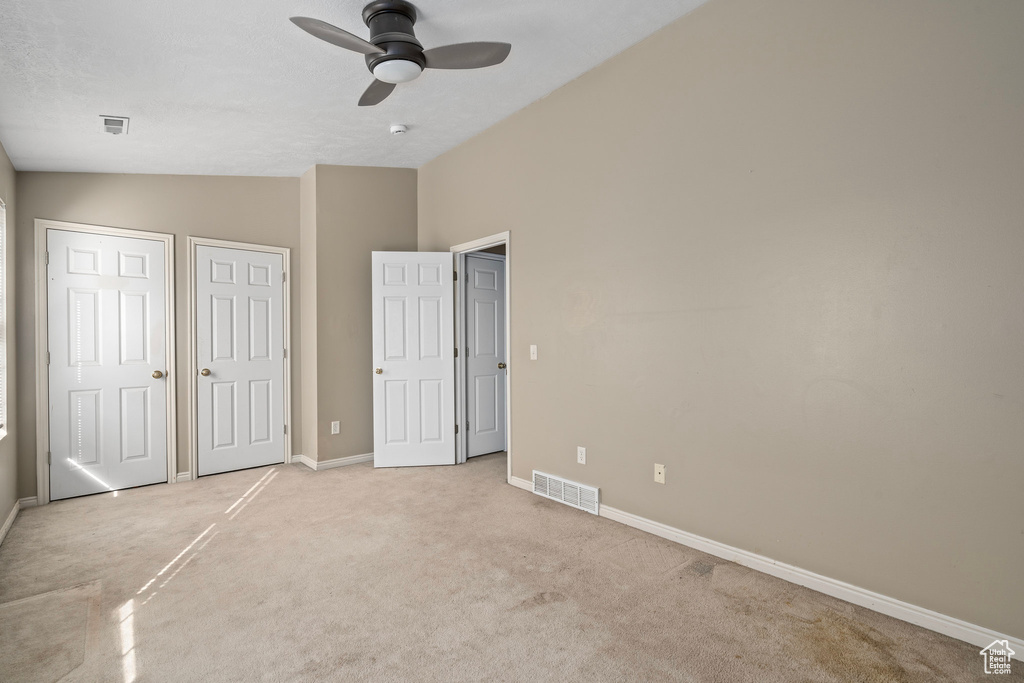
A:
{"points": [[413, 359], [106, 337], [485, 355], [240, 344]]}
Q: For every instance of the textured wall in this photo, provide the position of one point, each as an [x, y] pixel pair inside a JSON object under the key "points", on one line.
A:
{"points": [[777, 247], [258, 210]]}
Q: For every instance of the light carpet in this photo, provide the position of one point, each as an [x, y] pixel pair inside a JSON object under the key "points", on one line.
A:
{"points": [[418, 574]]}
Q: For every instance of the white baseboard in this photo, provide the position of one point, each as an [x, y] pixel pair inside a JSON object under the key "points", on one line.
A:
{"points": [[183, 476], [919, 616], [329, 464], [19, 504], [524, 484], [342, 462], [10, 520]]}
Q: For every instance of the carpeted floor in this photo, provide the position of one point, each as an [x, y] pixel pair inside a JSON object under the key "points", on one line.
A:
{"points": [[418, 574]]}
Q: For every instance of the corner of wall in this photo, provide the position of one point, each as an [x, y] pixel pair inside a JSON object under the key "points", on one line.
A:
{"points": [[308, 311], [9, 444], [358, 210]]}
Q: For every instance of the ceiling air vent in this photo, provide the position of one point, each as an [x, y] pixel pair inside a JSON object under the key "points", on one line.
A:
{"points": [[115, 125], [564, 491]]}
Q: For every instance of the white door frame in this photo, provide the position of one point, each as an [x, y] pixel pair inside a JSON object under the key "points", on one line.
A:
{"points": [[42, 344], [460, 251], [193, 367]]}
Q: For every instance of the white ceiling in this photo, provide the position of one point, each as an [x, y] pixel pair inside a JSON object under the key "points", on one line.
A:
{"points": [[231, 87]]}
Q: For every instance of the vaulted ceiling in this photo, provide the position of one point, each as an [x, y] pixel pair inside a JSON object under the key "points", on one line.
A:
{"points": [[231, 87]]}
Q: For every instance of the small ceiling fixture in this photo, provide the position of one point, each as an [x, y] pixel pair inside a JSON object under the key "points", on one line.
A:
{"points": [[399, 129], [115, 125], [393, 55]]}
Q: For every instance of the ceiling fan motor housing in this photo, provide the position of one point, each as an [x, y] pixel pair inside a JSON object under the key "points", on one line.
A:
{"points": [[390, 23]]}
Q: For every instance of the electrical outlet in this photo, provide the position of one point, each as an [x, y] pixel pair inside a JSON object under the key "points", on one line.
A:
{"points": [[533, 352], [659, 473], [335, 427], [581, 455]]}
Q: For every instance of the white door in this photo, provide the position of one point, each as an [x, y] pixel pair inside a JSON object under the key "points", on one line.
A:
{"points": [[240, 353], [485, 355], [106, 313], [413, 359]]}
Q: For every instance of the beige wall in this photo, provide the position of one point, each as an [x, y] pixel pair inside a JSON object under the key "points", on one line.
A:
{"points": [[9, 444], [257, 210], [307, 331], [336, 214], [358, 211], [777, 247]]}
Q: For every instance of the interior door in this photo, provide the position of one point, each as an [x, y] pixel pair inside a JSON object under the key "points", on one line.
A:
{"points": [[106, 313], [485, 355], [413, 359], [240, 353]]}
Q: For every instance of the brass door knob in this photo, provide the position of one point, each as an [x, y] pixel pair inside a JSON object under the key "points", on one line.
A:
{"points": [[157, 374], [205, 372], [379, 371], [502, 366]]}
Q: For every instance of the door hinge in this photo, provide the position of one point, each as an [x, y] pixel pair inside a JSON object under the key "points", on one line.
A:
{"points": [[467, 425], [455, 274], [286, 429], [47, 357], [284, 276], [456, 429], [286, 353], [456, 352], [48, 457]]}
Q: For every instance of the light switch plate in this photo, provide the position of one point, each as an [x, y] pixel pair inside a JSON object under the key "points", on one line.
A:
{"points": [[533, 352], [335, 427], [659, 473]]}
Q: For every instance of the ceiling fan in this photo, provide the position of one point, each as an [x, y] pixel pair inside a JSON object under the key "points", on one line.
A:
{"points": [[393, 54]]}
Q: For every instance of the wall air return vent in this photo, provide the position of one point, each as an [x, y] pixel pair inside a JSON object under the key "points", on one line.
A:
{"points": [[569, 492], [115, 125]]}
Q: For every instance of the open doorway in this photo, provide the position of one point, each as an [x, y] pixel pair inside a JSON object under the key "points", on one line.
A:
{"points": [[482, 332], [419, 327]]}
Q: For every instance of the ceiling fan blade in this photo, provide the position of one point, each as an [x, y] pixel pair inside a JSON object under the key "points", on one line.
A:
{"points": [[376, 93], [466, 55], [335, 35]]}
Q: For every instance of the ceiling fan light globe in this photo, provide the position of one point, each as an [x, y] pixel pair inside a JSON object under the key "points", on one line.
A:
{"points": [[397, 71]]}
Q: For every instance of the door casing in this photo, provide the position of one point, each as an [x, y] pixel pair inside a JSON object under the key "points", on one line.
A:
{"points": [[193, 367], [42, 344], [461, 409]]}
